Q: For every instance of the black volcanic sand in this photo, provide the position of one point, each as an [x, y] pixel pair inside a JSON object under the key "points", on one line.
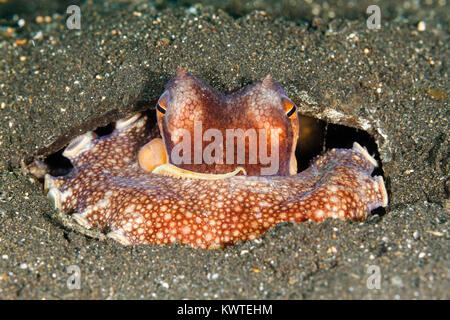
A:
{"points": [[392, 82]]}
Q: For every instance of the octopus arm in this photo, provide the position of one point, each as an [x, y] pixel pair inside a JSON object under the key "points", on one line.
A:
{"points": [[109, 191]]}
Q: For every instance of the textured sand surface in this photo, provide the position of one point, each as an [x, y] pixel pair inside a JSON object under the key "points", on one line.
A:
{"points": [[392, 82]]}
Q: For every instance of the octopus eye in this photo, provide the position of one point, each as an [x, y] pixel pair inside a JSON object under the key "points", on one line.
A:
{"points": [[161, 106], [161, 110], [289, 108]]}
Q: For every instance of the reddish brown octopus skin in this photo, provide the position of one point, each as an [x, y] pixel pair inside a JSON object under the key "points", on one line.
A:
{"points": [[109, 191], [259, 106]]}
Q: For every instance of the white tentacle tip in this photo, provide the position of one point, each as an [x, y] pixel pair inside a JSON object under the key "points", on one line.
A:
{"points": [[119, 237], [365, 153], [79, 145], [81, 220], [383, 191], [123, 123], [54, 195], [49, 182]]}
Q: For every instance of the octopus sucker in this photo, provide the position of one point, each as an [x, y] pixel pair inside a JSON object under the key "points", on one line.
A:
{"points": [[170, 170], [141, 194]]}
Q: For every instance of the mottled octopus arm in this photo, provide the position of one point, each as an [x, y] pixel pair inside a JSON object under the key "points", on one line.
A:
{"points": [[108, 190]]}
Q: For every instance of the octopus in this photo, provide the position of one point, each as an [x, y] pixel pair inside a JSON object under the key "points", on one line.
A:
{"points": [[234, 181]]}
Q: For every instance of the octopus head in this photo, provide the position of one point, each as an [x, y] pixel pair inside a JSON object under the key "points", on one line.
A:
{"points": [[206, 131]]}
